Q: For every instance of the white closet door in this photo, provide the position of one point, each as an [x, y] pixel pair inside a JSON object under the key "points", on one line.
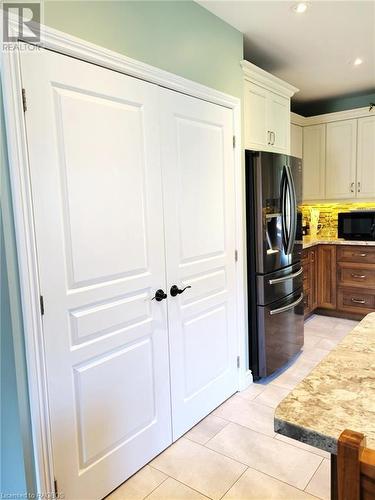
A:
{"points": [[93, 138], [198, 177]]}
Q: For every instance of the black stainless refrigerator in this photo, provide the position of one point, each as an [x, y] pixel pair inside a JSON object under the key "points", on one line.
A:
{"points": [[274, 252]]}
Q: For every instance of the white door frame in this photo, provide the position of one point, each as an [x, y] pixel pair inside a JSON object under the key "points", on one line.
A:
{"points": [[24, 222]]}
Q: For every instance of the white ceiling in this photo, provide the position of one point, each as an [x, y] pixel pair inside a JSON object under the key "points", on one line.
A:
{"points": [[313, 51]]}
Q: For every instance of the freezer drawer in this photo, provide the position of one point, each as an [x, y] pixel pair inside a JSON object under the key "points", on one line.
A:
{"points": [[280, 328], [275, 286]]}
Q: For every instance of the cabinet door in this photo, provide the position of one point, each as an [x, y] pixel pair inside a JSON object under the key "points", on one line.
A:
{"points": [[314, 277], [198, 177], [278, 122], [314, 142], [296, 138], [341, 159], [255, 117], [327, 276], [366, 158]]}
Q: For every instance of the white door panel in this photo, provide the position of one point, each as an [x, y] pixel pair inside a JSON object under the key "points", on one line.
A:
{"points": [[94, 160], [198, 178], [94, 152]]}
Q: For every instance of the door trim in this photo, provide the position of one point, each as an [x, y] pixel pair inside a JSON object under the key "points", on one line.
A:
{"points": [[24, 222]]}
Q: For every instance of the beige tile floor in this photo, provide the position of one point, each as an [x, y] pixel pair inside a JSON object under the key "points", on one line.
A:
{"points": [[234, 453]]}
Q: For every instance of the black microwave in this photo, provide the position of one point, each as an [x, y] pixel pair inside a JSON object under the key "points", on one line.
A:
{"points": [[357, 225]]}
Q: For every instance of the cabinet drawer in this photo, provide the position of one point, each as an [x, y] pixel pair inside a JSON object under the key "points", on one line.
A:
{"points": [[356, 275], [356, 301], [365, 255]]}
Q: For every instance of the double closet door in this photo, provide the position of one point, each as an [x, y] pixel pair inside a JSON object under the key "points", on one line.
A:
{"points": [[132, 191]]}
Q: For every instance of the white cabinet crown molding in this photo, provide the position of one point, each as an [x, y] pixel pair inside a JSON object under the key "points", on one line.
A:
{"points": [[348, 114], [297, 119], [270, 82]]}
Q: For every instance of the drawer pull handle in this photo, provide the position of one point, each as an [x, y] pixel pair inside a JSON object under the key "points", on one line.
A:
{"points": [[359, 276], [360, 254], [358, 301], [286, 278], [288, 307]]}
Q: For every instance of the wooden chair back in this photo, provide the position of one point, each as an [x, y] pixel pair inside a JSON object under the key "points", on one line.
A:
{"points": [[355, 467]]}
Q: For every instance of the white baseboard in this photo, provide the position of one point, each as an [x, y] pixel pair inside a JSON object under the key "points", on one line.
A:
{"points": [[245, 381]]}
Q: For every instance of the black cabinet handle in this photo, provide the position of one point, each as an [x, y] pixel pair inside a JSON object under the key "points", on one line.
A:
{"points": [[159, 295], [177, 291]]}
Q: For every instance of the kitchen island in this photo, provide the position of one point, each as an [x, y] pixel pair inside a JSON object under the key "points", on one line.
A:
{"points": [[338, 394]]}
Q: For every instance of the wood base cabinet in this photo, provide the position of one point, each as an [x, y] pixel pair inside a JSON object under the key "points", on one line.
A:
{"points": [[339, 280], [356, 279]]}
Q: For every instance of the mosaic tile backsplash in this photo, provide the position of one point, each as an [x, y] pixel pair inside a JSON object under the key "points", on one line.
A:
{"points": [[327, 227]]}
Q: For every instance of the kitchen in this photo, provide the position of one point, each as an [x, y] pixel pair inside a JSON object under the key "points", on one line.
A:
{"points": [[244, 220]]}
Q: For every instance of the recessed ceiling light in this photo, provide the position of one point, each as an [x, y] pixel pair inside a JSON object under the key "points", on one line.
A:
{"points": [[300, 7], [358, 61]]}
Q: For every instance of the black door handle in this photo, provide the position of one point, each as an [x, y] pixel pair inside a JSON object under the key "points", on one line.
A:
{"points": [[176, 291], [159, 295]]}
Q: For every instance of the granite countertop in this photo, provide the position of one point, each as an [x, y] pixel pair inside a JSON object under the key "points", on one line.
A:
{"points": [[310, 242], [338, 394]]}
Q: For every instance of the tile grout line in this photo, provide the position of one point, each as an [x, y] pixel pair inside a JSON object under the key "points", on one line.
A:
{"points": [[187, 485], [216, 433], [269, 475], [313, 474], [244, 426], [235, 482], [312, 477], [165, 479], [298, 447]]}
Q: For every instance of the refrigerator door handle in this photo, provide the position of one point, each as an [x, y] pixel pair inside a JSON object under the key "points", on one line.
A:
{"points": [[293, 210], [283, 209], [289, 306], [286, 278]]}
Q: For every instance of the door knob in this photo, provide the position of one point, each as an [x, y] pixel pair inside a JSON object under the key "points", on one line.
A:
{"points": [[177, 291], [159, 295]]}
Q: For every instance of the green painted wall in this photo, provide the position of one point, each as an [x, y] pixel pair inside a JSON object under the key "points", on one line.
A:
{"points": [[12, 463], [179, 36], [16, 466], [333, 105]]}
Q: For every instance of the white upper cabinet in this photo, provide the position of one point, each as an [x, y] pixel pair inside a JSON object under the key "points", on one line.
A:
{"points": [[314, 144], [266, 110], [366, 158], [278, 122], [255, 111], [296, 140], [341, 159]]}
